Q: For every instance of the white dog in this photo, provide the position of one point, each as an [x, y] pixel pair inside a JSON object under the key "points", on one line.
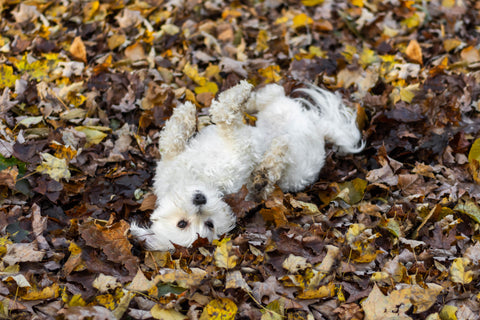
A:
{"points": [[286, 147]]}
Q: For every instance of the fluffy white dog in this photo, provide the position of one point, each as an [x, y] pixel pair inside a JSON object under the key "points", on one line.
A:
{"points": [[286, 147]]}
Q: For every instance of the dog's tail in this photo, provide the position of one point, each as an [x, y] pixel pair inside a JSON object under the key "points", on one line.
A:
{"points": [[337, 120]]}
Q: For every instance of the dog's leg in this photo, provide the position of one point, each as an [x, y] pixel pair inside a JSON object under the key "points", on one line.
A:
{"points": [[227, 110], [260, 99], [177, 130], [270, 169]]}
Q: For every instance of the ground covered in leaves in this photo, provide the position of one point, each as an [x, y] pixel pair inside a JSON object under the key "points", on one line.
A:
{"points": [[390, 233]]}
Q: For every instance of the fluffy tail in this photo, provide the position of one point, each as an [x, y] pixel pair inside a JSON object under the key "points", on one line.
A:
{"points": [[337, 120]]}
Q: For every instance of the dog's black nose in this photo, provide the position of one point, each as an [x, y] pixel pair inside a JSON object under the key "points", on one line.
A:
{"points": [[199, 199]]}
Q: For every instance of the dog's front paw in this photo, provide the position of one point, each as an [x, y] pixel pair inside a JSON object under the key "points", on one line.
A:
{"points": [[260, 181], [229, 106]]}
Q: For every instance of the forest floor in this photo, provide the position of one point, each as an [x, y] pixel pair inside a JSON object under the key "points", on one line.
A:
{"points": [[389, 233]]}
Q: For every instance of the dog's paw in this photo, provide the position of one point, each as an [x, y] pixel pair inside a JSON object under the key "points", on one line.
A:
{"points": [[260, 181], [230, 104]]}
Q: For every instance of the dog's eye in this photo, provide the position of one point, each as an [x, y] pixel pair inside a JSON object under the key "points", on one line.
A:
{"points": [[209, 224], [182, 224]]}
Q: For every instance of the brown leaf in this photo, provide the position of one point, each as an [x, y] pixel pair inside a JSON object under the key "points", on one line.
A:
{"points": [[239, 204], [8, 177], [148, 202], [78, 50], [112, 240], [22, 252], [414, 52]]}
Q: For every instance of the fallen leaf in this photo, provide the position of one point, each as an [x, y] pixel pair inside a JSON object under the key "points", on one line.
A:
{"points": [[22, 252], [458, 274], [113, 242], [294, 264], [104, 283], [379, 306], [43, 294], [160, 313], [470, 54], [217, 309], [8, 177], [78, 50], [56, 168], [414, 52], [135, 52], [224, 257]]}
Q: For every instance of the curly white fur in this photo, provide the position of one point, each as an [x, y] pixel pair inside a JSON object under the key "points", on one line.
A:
{"points": [[286, 146]]}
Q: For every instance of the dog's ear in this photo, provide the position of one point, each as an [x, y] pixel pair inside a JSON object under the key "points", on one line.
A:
{"points": [[140, 234], [177, 130]]}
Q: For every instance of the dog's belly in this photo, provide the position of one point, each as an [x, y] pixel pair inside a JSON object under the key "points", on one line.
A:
{"points": [[224, 161]]}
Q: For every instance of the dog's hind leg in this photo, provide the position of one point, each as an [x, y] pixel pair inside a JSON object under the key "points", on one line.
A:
{"points": [[177, 130], [270, 170], [227, 110]]}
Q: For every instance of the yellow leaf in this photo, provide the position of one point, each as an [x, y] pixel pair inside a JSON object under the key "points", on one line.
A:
{"points": [[367, 57], [208, 87], [219, 309], [93, 134], [474, 153], [56, 168], [311, 3], [7, 78], [74, 248], [349, 52], [38, 69], [282, 20], [106, 300], [3, 245], [408, 93], [358, 3], [270, 73], [223, 259], [450, 44], [89, 10], [46, 293], [352, 191], [301, 20], [448, 312], [160, 313], [393, 226], [366, 256], [458, 273], [469, 208], [231, 13], [316, 51], [412, 22], [354, 231], [320, 293], [78, 50], [262, 39], [77, 300], [275, 310], [448, 3], [170, 29], [115, 41], [192, 73]]}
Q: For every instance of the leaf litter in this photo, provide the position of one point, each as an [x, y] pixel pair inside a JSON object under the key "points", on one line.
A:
{"points": [[390, 233]]}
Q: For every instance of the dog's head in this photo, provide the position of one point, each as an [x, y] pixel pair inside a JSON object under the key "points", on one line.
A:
{"points": [[183, 215]]}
